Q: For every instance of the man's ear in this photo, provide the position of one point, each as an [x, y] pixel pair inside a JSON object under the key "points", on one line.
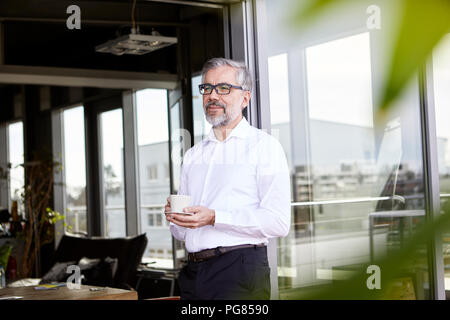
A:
{"points": [[246, 100]]}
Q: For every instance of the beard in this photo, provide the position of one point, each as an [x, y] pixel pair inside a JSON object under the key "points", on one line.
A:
{"points": [[228, 115]]}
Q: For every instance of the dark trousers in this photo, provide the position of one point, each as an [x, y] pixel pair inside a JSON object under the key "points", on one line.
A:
{"points": [[240, 274]]}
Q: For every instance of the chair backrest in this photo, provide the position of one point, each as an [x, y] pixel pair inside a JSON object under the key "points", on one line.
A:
{"points": [[127, 250]]}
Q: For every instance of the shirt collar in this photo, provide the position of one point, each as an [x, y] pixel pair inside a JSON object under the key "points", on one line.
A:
{"points": [[240, 131]]}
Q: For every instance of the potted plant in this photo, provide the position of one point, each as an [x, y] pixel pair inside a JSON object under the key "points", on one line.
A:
{"points": [[39, 217]]}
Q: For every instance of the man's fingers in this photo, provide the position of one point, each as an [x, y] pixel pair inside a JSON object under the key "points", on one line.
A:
{"points": [[191, 209], [183, 217], [181, 223]]}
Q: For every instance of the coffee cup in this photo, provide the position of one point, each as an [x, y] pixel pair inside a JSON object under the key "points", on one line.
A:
{"points": [[179, 202]]}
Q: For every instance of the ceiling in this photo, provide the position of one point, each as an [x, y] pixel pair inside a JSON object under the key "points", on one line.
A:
{"points": [[35, 33]]}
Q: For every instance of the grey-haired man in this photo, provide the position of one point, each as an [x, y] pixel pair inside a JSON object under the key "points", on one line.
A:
{"points": [[238, 179]]}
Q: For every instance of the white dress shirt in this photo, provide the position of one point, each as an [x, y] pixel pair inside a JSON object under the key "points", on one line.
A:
{"points": [[245, 179]]}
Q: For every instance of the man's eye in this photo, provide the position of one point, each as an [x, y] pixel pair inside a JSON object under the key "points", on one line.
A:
{"points": [[207, 88], [223, 87]]}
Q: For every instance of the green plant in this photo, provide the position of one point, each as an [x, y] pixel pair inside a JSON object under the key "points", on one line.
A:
{"points": [[40, 218], [5, 251]]}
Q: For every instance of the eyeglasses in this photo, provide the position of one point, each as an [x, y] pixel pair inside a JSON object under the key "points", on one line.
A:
{"points": [[221, 88]]}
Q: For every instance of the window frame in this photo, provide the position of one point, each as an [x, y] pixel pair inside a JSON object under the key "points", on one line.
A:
{"points": [[59, 191]]}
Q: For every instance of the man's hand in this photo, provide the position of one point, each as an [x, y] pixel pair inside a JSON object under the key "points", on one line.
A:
{"points": [[201, 216], [167, 207]]}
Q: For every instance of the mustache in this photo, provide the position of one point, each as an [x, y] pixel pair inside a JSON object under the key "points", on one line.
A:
{"points": [[216, 103]]}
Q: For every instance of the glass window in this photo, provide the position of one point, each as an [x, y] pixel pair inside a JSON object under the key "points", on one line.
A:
{"points": [[111, 125], [151, 220], [16, 159], [153, 150], [74, 169], [152, 172], [441, 81], [357, 188], [201, 126]]}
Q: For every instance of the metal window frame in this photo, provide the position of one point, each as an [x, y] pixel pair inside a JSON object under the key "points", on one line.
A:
{"points": [[131, 163], [4, 185], [431, 178], [59, 198], [59, 195]]}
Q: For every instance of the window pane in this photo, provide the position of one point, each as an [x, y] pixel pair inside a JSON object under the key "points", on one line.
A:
{"points": [[176, 140], [75, 169], [357, 188], [112, 168], [153, 141], [340, 116], [279, 96], [341, 68], [201, 126], [16, 158], [441, 81]]}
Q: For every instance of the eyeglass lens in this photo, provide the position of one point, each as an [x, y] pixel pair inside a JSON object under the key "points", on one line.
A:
{"points": [[220, 88]]}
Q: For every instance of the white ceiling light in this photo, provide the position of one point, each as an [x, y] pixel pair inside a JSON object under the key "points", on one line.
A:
{"points": [[135, 43]]}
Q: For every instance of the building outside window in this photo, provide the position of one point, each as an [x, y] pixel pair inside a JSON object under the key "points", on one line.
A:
{"points": [[152, 173]]}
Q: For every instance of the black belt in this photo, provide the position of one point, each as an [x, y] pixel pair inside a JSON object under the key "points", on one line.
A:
{"points": [[211, 253]]}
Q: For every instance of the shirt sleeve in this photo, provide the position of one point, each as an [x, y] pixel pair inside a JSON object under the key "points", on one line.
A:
{"points": [[177, 231], [272, 217]]}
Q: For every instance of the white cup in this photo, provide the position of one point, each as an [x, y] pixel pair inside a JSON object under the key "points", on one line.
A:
{"points": [[179, 202]]}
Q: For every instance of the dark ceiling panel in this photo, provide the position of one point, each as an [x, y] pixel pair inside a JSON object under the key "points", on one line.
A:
{"points": [[35, 33]]}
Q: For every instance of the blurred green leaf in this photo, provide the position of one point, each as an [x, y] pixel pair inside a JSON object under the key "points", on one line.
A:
{"points": [[423, 25], [392, 266]]}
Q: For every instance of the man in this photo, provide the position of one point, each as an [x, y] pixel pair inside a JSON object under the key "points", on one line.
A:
{"points": [[238, 179]]}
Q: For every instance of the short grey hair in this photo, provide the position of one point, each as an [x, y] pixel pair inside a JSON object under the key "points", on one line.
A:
{"points": [[243, 76]]}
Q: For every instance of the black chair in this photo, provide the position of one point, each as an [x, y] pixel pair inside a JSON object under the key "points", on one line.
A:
{"points": [[127, 250]]}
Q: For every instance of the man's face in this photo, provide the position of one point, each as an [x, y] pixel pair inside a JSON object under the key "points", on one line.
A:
{"points": [[221, 110]]}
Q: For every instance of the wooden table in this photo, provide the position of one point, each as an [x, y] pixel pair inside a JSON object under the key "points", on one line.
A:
{"points": [[64, 293]]}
